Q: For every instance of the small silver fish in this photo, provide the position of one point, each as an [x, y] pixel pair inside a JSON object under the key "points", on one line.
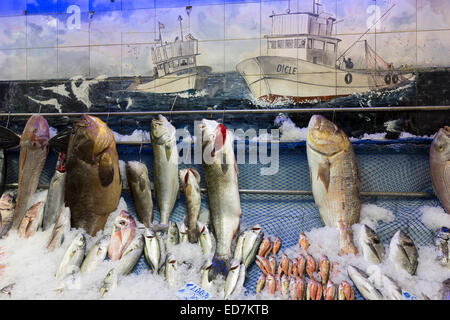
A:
{"points": [[240, 281], [170, 269], [371, 246], [131, 256], [95, 255], [403, 253], [152, 251], [173, 235], [238, 247], [250, 258], [72, 258], [205, 238], [61, 227], [392, 289], [362, 283], [249, 240], [110, 282], [231, 279]]}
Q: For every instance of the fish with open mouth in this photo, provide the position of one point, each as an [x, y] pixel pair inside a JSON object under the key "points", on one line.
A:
{"points": [[363, 284], [371, 246], [123, 233], [73, 257], [440, 166], [221, 176], [61, 227], [55, 194], [95, 255], [334, 174], [190, 184], [139, 183], [165, 159], [7, 205], [403, 253], [32, 220]]}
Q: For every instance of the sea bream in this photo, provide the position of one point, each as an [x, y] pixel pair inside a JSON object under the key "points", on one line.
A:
{"points": [[165, 163], [32, 220], [221, 175], [122, 234], [55, 194], [334, 174], [371, 246], [7, 205], [93, 184], [440, 166], [139, 183], [190, 184], [403, 253], [61, 227]]}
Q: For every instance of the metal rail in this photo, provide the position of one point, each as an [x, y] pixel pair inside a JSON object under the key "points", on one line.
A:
{"points": [[237, 111], [290, 192]]}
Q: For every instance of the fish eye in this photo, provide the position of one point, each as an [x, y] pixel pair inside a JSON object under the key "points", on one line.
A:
{"points": [[376, 241], [441, 147]]}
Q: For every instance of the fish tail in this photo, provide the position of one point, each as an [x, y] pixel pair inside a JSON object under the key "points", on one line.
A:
{"points": [[346, 239], [193, 235], [220, 265]]}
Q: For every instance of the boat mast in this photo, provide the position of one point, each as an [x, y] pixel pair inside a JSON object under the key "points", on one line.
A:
{"points": [[181, 26]]}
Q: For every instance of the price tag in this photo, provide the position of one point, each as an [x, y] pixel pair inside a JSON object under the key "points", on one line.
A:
{"points": [[408, 296], [191, 291]]}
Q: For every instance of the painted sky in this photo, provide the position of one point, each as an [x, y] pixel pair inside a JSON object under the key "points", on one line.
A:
{"points": [[51, 42]]}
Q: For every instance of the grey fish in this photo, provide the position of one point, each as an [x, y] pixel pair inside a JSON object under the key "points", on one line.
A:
{"points": [[110, 282], [139, 183], [334, 174], [72, 258], [403, 253], [232, 278], [221, 175], [442, 242], [165, 159], [371, 246], [170, 269], [55, 195], [205, 239], [251, 257], [32, 220], [131, 256], [7, 205], [173, 234], [61, 227], [190, 184], [152, 250], [440, 166], [96, 255], [362, 283]]}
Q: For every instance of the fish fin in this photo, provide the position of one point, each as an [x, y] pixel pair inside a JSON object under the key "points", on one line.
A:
{"points": [[106, 170], [168, 151], [219, 266], [323, 173], [8, 138], [60, 142]]}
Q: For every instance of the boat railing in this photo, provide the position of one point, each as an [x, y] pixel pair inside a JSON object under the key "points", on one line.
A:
{"points": [[174, 50]]}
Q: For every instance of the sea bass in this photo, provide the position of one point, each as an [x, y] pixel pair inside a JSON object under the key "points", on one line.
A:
{"points": [[371, 246], [61, 227], [32, 220], [7, 205], [334, 174], [221, 177], [403, 252], [165, 159], [440, 166], [190, 183], [139, 183], [123, 233], [95, 255], [55, 195], [93, 185]]}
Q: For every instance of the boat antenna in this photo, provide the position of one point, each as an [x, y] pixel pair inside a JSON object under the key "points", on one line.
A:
{"points": [[181, 26], [351, 46]]}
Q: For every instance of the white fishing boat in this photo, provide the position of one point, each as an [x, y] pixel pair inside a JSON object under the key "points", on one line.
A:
{"points": [[302, 62], [175, 67]]}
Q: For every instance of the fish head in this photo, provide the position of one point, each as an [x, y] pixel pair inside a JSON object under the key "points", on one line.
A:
{"points": [[36, 132], [80, 241], [325, 137], [402, 240], [124, 221], [149, 234], [161, 130], [234, 265], [202, 228], [215, 136], [189, 176], [441, 143], [7, 199]]}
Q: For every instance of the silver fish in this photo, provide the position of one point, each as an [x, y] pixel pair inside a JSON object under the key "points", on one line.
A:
{"points": [[371, 246], [61, 227], [205, 239], [440, 166], [96, 255], [442, 242], [55, 195], [184, 237], [249, 240], [110, 282], [170, 269], [221, 175], [334, 174], [232, 278], [254, 250], [237, 254], [190, 183], [173, 235], [362, 283], [392, 289], [152, 252], [205, 282], [162, 248], [165, 159], [239, 287], [32, 220], [139, 183], [403, 253], [131, 256], [72, 258], [7, 205]]}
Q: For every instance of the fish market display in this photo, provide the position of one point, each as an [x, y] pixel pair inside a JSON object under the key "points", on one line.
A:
{"points": [[32, 220], [371, 246], [139, 183], [61, 227], [334, 174], [7, 205], [442, 243], [165, 162], [55, 195], [190, 183], [152, 250], [365, 287], [221, 177], [403, 253], [122, 234], [440, 166], [93, 185], [73, 257], [95, 255]]}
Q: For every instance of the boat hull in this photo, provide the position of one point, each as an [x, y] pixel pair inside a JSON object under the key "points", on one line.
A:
{"points": [[274, 77], [187, 80]]}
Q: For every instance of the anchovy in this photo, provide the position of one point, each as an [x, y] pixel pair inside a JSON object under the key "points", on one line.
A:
{"points": [[72, 258], [190, 183], [403, 253], [139, 183], [362, 283], [7, 205], [61, 227], [152, 251], [371, 246], [32, 220], [96, 255]]}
